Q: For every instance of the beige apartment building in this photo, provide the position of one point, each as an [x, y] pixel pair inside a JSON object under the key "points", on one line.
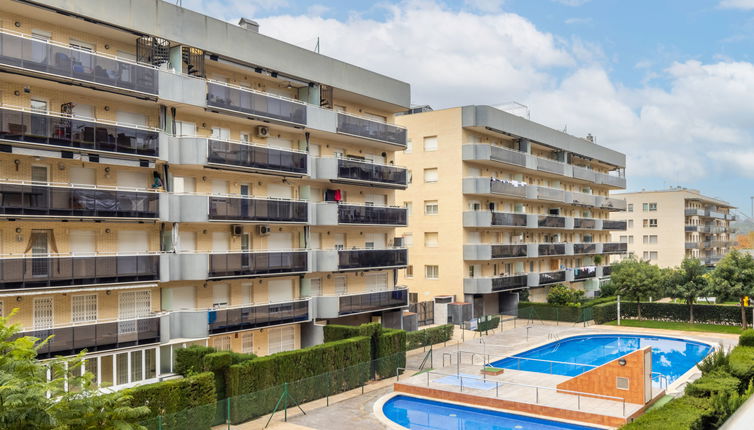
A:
{"points": [[498, 204], [169, 179], [665, 226]]}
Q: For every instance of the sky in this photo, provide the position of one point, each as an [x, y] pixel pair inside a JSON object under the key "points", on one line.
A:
{"points": [[669, 83]]}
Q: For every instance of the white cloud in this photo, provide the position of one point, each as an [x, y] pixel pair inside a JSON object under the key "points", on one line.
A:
{"points": [[737, 4], [489, 6]]}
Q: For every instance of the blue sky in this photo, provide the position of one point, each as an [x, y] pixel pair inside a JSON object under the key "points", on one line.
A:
{"points": [[667, 82]]}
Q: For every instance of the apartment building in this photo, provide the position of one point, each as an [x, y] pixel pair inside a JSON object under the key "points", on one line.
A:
{"points": [[498, 204], [169, 179], [665, 226]]}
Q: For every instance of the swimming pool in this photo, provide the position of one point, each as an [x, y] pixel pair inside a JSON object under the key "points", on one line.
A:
{"points": [[420, 414], [671, 357]]}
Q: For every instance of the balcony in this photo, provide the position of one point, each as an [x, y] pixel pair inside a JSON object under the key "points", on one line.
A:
{"points": [[344, 170], [244, 156], [482, 252], [66, 64], [551, 166], [584, 174], [493, 219], [581, 199], [549, 221], [546, 278], [249, 317], [551, 249], [611, 180], [587, 223], [694, 212], [199, 266], [254, 104], [369, 129], [96, 337], [18, 125], [712, 259], [26, 199], [612, 204], [243, 209], [28, 271], [487, 152], [693, 245], [372, 215], [494, 284], [714, 214], [606, 270], [359, 303], [360, 259], [551, 194], [614, 248], [585, 248], [614, 225], [583, 273]]}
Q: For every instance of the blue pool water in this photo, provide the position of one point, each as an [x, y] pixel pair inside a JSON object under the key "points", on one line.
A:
{"points": [[671, 357], [420, 414]]}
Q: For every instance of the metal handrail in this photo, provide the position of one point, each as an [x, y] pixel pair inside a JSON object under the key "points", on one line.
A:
{"points": [[246, 305], [78, 117], [240, 142], [370, 119], [251, 90], [74, 185], [82, 255], [97, 321], [359, 160]]}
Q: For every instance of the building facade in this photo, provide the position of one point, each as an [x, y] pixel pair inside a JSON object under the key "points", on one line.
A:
{"points": [[169, 179], [665, 226], [498, 204]]}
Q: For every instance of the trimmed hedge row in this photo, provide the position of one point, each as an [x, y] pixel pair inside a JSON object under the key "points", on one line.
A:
{"points": [[183, 403], [246, 382], [684, 413], [191, 359], [546, 311], [429, 336], [335, 332], [711, 314], [390, 352], [746, 338], [488, 324]]}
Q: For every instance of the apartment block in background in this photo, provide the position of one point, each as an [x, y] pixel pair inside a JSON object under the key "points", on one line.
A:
{"points": [[500, 204], [665, 226], [169, 179]]}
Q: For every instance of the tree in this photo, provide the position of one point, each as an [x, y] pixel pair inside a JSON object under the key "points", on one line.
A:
{"points": [[28, 400], [561, 295], [688, 282], [745, 240], [734, 277], [636, 280]]}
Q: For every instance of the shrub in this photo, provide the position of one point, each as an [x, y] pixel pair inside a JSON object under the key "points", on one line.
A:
{"points": [[429, 336], [741, 363], [711, 383], [390, 352], [546, 311], [726, 403], [747, 338], [489, 323], [684, 413], [335, 332], [561, 295], [716, 360], [711, 314], [191, 359], [184, 403]]}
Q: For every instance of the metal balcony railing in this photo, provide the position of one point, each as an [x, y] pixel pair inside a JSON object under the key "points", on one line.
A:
{"points": [[507, 188], [21, 51], [240, 154], [29, 271], [581, 273], [61, 200], [614, 225], [585, 223], [508, 251], [614, 248], [257, 210], [253, 103], [372, 172], [372, 215], [257, 316], [607, 270], [370, 129], [506, 155], [613, 204], [552, 277], [508, 219], [503, 283], [372, 258], [372, 301], [583, 199], [584, 248], [551, 249], [549, 221], [554, 194], [40, 128], [237, 264], [551, 166]]}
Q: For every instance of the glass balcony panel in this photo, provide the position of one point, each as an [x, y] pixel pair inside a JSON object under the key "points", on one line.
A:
{"points": [[256, 157], [369, 129], [371, 258], [508, 251], [370, 172], [257, 263], [506, 219], [256, 104], [551, 221], [509, 282], [551, 249], [352, 214]]}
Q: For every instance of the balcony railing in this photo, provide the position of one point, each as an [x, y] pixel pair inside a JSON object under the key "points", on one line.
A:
{"points": [[503, 283], [581, 273], [505, 155], [546, 249], [614, 248], [551, 166], [694, 212], [255, 157], [584, 173], [24, 126], [613, 204], [257, 210], [607, 270], [61, 271], [552, 277], [507, 188], [257, 316], [96, 337], [583, 199], [372, 172], [584, 248], [508, 251], [367, 128], [49, 58], [554, 194], [372, 301], [237, 264], [372, 258], [256, 104], [27, 199], [614, 225], [372, 215], [550, 221], [507, 219], [585, 223]]}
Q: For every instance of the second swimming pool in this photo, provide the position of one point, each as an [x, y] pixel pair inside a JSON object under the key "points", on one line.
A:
{"points": [[671, 357]]}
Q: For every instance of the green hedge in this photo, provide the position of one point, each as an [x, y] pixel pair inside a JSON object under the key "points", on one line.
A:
{"points": [[335, 332], [747, 338], [254, 385], [390, 353], [712, 383], [489, 323], [684, 413], [741, 363], [191, 359], [429, 336], [546, 311], [183, 403], [711, 314]]}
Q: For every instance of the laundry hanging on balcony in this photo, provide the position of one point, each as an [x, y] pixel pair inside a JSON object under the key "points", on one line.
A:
{"points": [[510, 181], [333, 195]]}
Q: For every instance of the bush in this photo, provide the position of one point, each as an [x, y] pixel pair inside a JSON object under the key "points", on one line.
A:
{"points": [[429, 336], [715, 382], [546, 311], [716, 360], [390, 352], [191, 359], [607, 289], [488, 323], [255, 385], [684, 413], [747, 338], [710, 314], [184, 403], [605, 313], [741, 363], [561, 295], [335, 332]]}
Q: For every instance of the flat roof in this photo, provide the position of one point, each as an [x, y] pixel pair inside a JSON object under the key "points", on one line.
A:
{"points": [[691, 194]]}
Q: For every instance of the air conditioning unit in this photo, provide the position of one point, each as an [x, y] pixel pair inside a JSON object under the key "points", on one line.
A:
{"points": [[263, 131], [236, 229], [263, 230]]}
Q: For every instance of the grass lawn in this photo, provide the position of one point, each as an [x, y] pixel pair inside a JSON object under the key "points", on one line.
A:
{"points": [[712, 328]]}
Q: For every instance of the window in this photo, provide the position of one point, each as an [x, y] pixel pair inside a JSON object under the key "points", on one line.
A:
{"points": [[621, 383], [431, 207], [247, 343], [84, 308], [408, 240], [409, 146], [432, 272], [408, 207], [623, 239], [42, 314], [431, 175], [630, 239], [630, 207], [221, 343], [431, 239], [281, 339], [650, 255], [409, 271], [645, 207], [630, 223], [653, 239], [430, 143], [341, 286], [652, 222]]}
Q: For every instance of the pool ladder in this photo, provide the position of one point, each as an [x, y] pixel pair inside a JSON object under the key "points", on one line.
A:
{"points": [[553, 336]]}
